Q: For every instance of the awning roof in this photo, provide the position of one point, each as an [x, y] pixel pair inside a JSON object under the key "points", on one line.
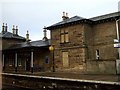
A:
{"points": [[38, 43]]}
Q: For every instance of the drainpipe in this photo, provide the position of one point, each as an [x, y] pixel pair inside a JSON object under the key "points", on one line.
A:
{"points": [[118, 37]]}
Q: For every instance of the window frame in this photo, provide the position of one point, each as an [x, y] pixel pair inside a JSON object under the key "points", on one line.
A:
{"points": [[64, 36], [97, 54]]}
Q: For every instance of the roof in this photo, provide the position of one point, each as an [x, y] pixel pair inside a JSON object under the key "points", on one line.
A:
{"points": [[11, 36], [78, 19], [72, 19], [38, 43], [106, 16], [68, 21]]}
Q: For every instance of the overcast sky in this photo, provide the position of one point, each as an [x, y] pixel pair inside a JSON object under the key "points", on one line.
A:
{"points": [[33, 15]]}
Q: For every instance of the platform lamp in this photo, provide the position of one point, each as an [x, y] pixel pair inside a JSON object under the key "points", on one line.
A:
{"points": [[51, 48]]}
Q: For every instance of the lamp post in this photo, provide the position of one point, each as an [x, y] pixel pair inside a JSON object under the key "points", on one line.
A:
{"points": [[51, 48]]}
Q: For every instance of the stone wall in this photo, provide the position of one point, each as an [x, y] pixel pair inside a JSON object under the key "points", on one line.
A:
{"points": [[84, 40], [75, 48], [103, 40], [101, 67], [76, 60], [40, 64], [104, 35]]}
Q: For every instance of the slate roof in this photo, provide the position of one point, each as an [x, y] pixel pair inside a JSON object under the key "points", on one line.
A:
{"points": [[68, 21], [38, 43], [72, 19], [78, 18], [11, 36], [106, 16]]}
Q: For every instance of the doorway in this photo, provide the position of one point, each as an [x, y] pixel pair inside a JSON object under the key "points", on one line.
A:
{"points": [[27, 64], [65, 59]]}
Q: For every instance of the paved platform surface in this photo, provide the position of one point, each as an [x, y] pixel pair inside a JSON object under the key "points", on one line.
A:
{"points": [[95, 77], [112, 78]]}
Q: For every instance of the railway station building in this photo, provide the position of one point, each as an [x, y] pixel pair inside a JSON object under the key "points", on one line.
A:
{"points": [[78, 45]]}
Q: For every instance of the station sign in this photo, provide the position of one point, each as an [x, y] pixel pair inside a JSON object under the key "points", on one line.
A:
{"points": [[116, 43]]}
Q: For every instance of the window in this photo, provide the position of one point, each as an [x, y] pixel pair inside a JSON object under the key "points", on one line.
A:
{"points": [[97, 54], [64, 36]]}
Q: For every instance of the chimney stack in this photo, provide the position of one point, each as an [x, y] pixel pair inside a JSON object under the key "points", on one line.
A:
{"points": [[3, 28], [45, 34], [64, 17], [27, 37], [13, 29], [16, 30]]}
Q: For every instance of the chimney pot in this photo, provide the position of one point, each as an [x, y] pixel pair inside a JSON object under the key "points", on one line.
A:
{"points": [[66, 14], [64, 17], [63, 13], [27, 37], [13, 29], [6, 28], [3, 28], [27, 32], [16, 30], [45, 34]]}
